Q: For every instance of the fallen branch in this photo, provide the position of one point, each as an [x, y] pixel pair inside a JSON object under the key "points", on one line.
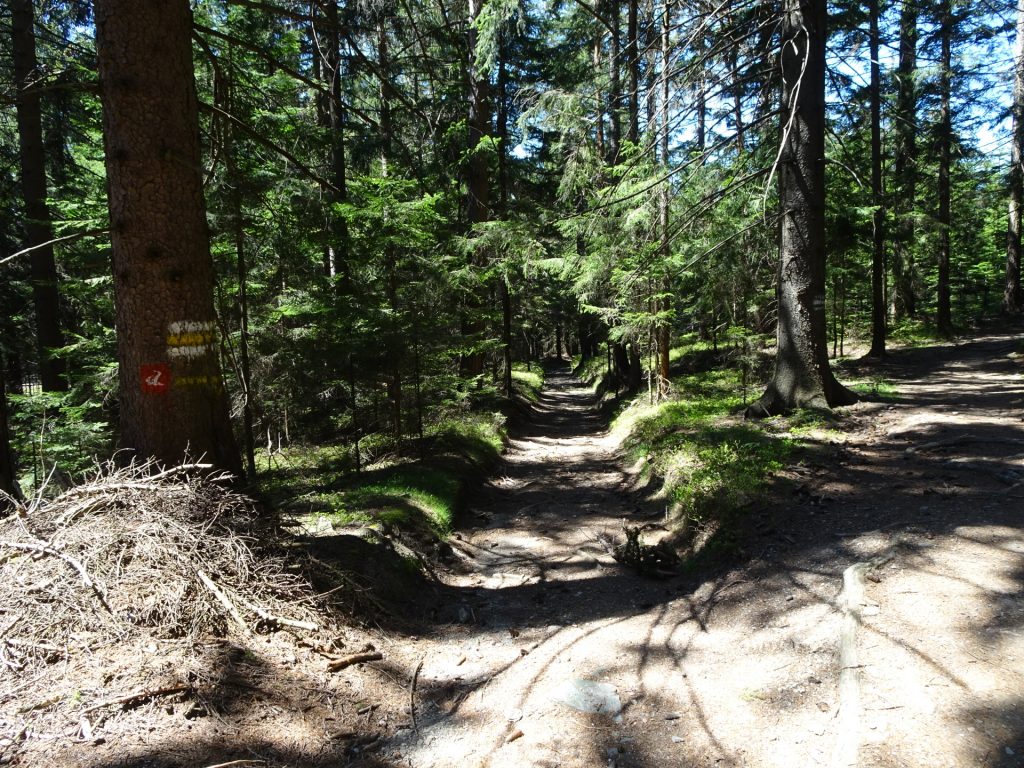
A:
{"points": [[47, 550], [353, 658], [14, 642], [132, 698], [850, 602], [224, 601], [279, 620]]}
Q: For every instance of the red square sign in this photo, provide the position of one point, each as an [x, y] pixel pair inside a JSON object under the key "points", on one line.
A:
{"points": [[155, 379]]}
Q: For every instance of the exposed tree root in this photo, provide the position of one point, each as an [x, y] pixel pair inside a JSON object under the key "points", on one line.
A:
{"points": [[851, 603]]}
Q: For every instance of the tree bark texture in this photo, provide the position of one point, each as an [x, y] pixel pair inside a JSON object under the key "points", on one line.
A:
{"points": [[38, 228], [944, 317], [338, 257], [1012, 298], [172, 398], [878, 308], [802, 377], [904, 299]]}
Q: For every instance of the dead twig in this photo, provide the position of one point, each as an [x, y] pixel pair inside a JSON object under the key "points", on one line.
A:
{"points": [[353, 658], [279, 620], [138, 696], [48, 550], [224, 601], [412, 694]]}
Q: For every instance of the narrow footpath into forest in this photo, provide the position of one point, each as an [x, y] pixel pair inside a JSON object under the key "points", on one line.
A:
{"points": [[742, 667]]}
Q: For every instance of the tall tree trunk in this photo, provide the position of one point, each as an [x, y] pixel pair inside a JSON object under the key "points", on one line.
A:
{"points": [[802, 376], [1012, 299], [503, 196], [38, 227], [614, 82], [506, 336], [733, 56], [172, 397], [478, 184], [701, 85], [633, 68], [235, 183], [944, 318], [395, 347], [878, 308], [599, 94], [904, 300], [337, 246], [663, 330]]}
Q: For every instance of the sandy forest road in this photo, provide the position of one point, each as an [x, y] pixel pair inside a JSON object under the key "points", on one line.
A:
{"points": [[742, 668]]}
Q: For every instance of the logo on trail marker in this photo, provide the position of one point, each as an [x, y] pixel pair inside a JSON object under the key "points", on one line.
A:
{"points": [[155, 379]]}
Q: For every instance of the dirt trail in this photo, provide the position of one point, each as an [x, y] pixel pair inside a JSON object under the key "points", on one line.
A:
{"points": [[741, 668]]}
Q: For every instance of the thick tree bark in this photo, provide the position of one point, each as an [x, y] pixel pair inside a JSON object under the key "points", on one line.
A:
{"points": [[944, 317], [8, 477], [1012, 298], [878, 308], [339, 171], [38, 227], [904, 300], [172, 398], [802, 377]]}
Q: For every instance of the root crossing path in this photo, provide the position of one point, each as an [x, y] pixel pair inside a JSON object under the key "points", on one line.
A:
{"points": [[548, 653]]}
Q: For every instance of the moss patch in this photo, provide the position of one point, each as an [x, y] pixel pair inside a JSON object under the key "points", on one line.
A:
{"points": [[710, 464]]}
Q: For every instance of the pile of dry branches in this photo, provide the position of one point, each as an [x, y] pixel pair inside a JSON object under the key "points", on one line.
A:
{"points": [[171, 554]]}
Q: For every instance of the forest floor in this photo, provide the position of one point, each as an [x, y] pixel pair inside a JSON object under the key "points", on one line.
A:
{"points": [[742, 667], [762, 662]]}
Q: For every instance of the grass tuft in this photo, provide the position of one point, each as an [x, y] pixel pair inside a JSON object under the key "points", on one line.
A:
{"points": [[397, 492]]}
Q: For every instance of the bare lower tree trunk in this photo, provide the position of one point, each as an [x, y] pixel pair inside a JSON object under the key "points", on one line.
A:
{"points": [[1012, 299], [904, 300], [172, 397], [478, 187], [944, 318], [878, 308], [337, 247], [663, 331], [802, 377], [38, 228], [242, 271]]}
